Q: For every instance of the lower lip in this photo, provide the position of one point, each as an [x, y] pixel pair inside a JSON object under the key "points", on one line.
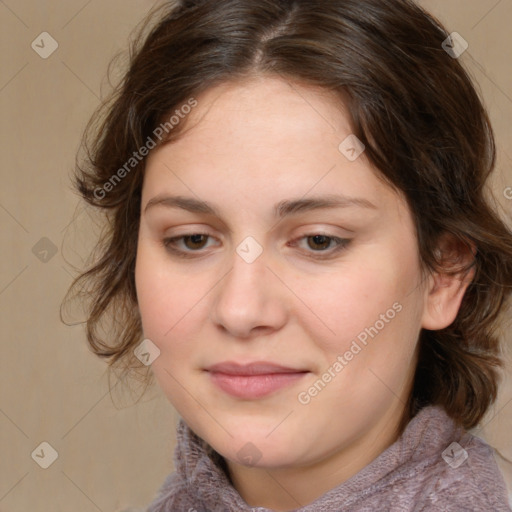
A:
{"points": [[254, 386]]}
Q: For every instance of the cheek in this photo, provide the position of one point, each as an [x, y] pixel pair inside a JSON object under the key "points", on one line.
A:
{"points": [[352, 301], [166, 307], [165, 299], [377, 342]]}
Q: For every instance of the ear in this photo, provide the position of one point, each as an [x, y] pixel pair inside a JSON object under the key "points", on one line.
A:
{"points": [[446, 287]]}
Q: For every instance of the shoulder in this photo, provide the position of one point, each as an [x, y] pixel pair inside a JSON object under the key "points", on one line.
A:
{"points": [[437, 465], [465, 477]]}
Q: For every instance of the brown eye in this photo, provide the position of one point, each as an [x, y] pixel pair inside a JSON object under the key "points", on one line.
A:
{"points": [[319, 242], [186, 245], [318, 246], [196, 241]]}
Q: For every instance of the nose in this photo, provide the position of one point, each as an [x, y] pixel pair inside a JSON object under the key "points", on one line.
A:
{"points": [[250, 299]]}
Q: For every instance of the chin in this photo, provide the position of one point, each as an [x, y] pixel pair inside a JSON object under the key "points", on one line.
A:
{"points": [[256, 448]]}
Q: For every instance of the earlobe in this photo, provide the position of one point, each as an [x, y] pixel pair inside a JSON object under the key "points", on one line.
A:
{"points": [[446, 287]]}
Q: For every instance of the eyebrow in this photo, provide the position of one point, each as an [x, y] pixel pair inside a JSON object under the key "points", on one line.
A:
{"points": [[281, 209]]}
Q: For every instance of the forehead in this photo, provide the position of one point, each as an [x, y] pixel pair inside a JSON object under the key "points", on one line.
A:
{"points": [[266, 138], [266, 105]]}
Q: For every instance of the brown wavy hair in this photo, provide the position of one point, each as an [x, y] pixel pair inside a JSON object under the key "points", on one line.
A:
{"points": [[413, 106]]}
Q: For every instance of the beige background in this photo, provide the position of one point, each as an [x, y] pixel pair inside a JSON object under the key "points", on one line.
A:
{"points": [[112, 455]]}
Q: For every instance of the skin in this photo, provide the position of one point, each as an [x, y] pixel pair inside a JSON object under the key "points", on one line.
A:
{"points": [[248, 146]]}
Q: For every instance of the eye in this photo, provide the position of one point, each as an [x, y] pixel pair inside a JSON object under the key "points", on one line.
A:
{"points": [[193, 242], [320, 243]]}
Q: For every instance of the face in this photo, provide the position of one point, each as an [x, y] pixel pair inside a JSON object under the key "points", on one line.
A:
{"points": [[286, 255]]}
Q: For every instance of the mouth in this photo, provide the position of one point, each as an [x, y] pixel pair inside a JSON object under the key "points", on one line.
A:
{"points": [[254, 380]]}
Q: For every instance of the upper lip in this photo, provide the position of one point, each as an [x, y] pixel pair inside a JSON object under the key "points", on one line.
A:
{"points": [[255, 368]]}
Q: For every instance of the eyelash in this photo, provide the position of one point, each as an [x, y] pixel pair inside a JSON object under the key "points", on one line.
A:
{"points": [[342, 244]]}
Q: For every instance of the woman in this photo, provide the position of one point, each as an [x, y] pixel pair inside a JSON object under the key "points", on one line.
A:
{"points": [[298, 230]]}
